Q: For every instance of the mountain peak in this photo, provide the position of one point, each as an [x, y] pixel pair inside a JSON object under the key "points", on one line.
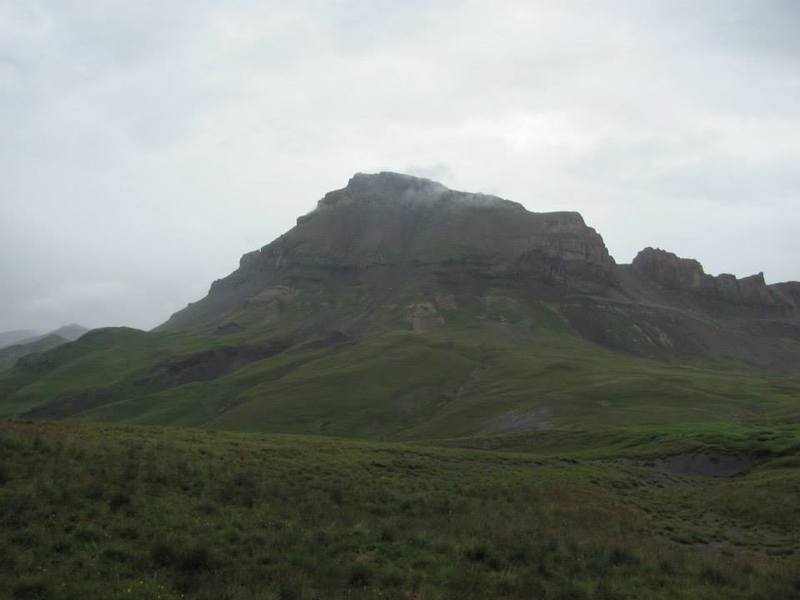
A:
{"points": [[394, 227], [399, 189], [390, 219], [390, 181], [392, 250], [70, 332]]}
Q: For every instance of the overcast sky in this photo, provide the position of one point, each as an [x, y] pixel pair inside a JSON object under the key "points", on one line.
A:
{"points": [[144, 146]]}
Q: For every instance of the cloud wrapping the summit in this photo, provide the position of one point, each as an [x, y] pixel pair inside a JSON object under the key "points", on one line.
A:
{"points": [[146, 146]]}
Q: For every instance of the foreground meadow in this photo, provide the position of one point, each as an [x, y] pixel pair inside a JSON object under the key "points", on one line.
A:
{"points": [[101, 511]]}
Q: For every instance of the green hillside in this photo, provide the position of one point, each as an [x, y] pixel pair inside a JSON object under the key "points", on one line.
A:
{"points": [[501, 367], [418, 394], [401, 310], [98, 511]]}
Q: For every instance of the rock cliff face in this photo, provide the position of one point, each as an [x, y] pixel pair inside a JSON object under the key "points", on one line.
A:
{"points": [[789, 291], [669, 270], [390, 220], [385, 250], [687, 275]]}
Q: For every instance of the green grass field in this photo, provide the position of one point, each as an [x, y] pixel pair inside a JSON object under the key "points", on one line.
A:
{"points": [[110, 511], [495, 455]]}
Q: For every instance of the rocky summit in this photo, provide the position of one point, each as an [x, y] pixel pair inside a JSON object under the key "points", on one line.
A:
{"points": [[391, 227], [415, 242]]}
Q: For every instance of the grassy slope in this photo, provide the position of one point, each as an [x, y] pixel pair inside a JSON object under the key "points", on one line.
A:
{"points": [[562, 506], [497, 367], [142, 512], [10, 354]]}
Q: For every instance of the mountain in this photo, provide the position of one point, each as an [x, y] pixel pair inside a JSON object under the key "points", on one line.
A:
{"points": [[10, 354], [400, 309], [70, 332], [577, 428], [411, 240], [7, 338], [25, 345], [409, 236]]}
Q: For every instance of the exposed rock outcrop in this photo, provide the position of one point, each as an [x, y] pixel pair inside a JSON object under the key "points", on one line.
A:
{"points": [[391, 220], [684, 274], [207, 365], [374, 253], [789, 291]]}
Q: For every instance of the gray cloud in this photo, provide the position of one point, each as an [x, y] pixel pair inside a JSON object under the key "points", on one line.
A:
{"points": [[147, 145]]}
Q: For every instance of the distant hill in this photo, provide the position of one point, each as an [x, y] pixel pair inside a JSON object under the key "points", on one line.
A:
{"points": [[37, 343], [70, 332], [7, 338], [400, 309], [10, 354]]}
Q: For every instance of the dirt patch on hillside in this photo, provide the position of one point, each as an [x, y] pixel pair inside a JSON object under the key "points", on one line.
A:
{"points": [[14, 426], [207, 365], [334, 338], [707, 464], [423, 317], [70, 403], [521, 420]]}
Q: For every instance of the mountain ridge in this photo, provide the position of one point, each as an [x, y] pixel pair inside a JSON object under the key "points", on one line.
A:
{"points": [[22, 346], [407, 191], [387, 227], [398, 309]]}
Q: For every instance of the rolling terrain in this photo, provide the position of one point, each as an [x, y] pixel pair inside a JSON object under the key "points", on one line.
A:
{"points": [[399, 309], [16, 344], [418, 393]]}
